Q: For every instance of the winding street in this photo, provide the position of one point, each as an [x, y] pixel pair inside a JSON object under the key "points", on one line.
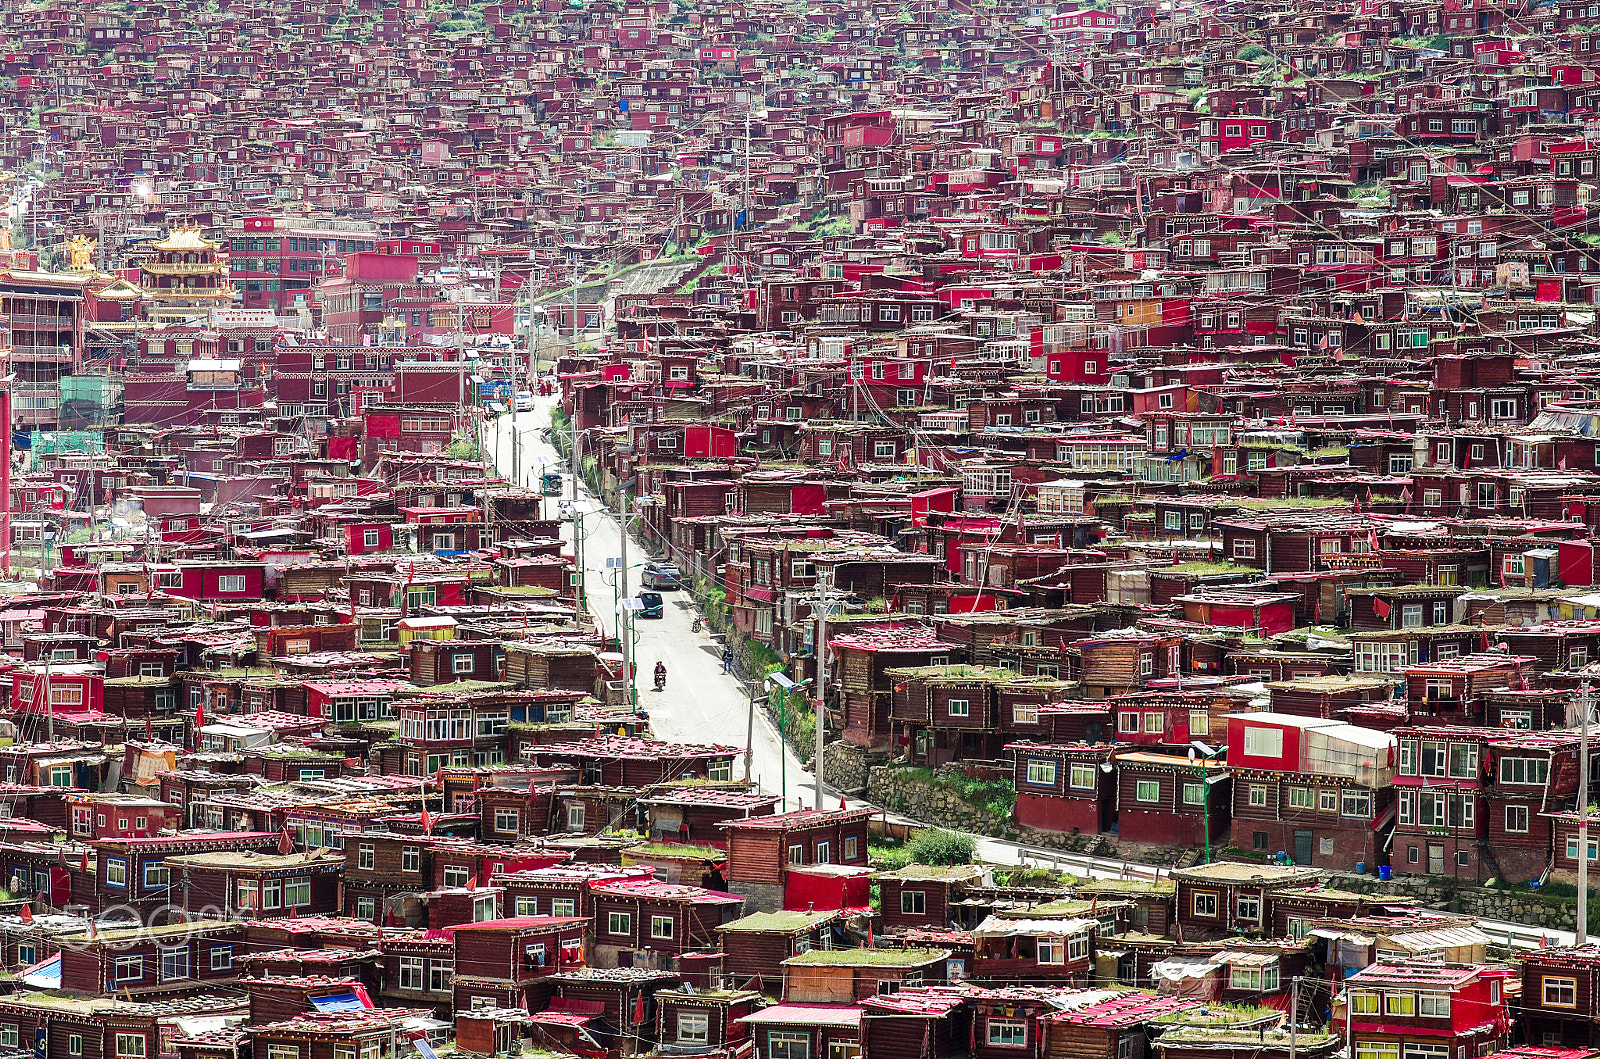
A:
{"points": [[701, 704]]}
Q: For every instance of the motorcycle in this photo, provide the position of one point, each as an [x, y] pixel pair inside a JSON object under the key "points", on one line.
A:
{"points": [[696, 625], [661, 681]]}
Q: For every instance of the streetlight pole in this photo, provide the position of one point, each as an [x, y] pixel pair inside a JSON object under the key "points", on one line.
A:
{"points": [[1585, 701], [1200, 761]]}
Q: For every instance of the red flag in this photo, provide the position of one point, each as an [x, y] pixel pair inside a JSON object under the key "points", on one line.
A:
{"points": [[285, 843], [1381, 608], [293, 913], [27, 914], [427, 821], [149, 730], [199, 720], [1562, 463], [83, 866], [638, 1009], [841, 802]]}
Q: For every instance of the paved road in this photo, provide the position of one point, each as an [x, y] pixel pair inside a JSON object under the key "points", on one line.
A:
{"points": [[704, 705], [701, 703]]}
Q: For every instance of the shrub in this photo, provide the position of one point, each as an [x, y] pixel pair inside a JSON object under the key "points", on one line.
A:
{"points": [[937, 847]]}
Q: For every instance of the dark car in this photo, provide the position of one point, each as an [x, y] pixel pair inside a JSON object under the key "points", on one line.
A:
{"points": [[662, 575], [649, 605]]}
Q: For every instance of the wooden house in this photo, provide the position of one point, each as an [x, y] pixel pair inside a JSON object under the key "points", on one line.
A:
{"points": [[645, 923], [845, 976], [1227, 897], [1321, 791], [758, 944], [624, 997], [512, 959], [921, 896], [782, 1031], [254, 885], [762, 849], [1064, 787], [930, 1023], [1031, 948], [712, 1019], [1116, 1027], [320, 1035], [1559, 998], [1422, 1002], [133, 871], [1168, 800], [174, 958]]}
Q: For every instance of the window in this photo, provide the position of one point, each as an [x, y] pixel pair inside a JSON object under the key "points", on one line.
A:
{"points": [[116, 871], [1399, 1004], [661, 927], [1147, 791], [619, 923], [1052, 951], [788, 1044], [365, 857], [1254, 979], [297, 891], [1299, 797], [1258, 794], [1377, 1050], [156, 876], [958, 708], [1041, 773], [410, 858], [231, 583], [129, 968], [75, 1044], [1008, 1033], [131, 1046], [1524, 769], [1434, 1004], [222, 957], [1363, 1003], [694, 1027], [1194, 794], [1249, 906], [1263, 742], [1327, 800], [1082, 777], [563, 906], [1356, 804], [174, 963], [1560, 992], [1128, 721], [1205, 903]]}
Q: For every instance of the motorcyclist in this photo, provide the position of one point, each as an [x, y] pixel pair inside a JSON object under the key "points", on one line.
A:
{"points": [[661, 675]]}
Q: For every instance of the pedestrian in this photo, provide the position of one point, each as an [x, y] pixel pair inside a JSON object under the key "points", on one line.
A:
{"points": [[727, 660]]}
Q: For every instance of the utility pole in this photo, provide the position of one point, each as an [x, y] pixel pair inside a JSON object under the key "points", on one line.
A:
{"points": [[750, 732], [49, 704], [577, 519], [1294, 1014], [824, 578], [624, 636], [1585, 700]]}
